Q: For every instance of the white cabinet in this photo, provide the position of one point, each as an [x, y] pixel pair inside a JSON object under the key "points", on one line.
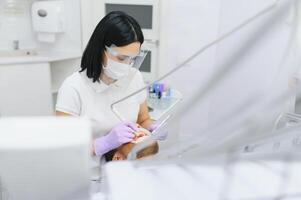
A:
{"points": [[25, 89]]}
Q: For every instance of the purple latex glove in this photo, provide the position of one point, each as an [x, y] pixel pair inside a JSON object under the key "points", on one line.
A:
{"points": [[153, 126], [120, 134], [162, 135]]}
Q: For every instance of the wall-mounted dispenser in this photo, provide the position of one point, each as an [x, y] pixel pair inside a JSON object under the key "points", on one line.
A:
{"points": [[42, 40], [48, 19]]}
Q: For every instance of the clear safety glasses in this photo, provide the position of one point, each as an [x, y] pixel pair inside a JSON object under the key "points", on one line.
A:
{"points": [[137, 60]]}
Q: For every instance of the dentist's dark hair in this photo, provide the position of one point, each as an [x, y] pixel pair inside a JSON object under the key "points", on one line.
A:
{"points": [[116, 28]]}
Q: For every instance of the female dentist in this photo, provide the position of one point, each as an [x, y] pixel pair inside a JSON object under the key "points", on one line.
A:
{"points": [[106, 76]]}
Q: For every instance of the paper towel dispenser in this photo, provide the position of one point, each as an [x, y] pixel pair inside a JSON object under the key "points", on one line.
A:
{"points": [[48, 19]]}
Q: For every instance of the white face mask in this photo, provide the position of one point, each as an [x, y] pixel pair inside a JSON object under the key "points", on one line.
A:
{"points": [[116, 70]]}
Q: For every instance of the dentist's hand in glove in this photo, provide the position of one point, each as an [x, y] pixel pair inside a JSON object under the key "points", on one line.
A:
{"points": [[162, 135], [120, 134]]}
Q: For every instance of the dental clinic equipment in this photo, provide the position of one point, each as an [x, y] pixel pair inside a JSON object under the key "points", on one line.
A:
{"points": [[161, 100], [285, 138], [152, 137], [287, 119], [216, 169], [231, 176], [244, 125], [159, 90], [44, 158], [237, 115], [255, 123], [212, 178], [203, 49], [218, 76]]}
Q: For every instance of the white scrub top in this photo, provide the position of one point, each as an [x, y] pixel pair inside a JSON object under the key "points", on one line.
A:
{"points": [[79, 96]]}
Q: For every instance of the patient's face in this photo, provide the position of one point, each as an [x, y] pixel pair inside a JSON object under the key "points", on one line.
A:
{"points": [[122, 152], [118, 156]]}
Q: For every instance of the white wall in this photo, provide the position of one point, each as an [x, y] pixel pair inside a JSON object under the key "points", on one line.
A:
{"points": [[16, 26], [256, 53], [190, 26]]}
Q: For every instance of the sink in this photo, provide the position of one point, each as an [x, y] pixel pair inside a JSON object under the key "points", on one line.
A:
{"points": [[17, 53], [24, 56]]}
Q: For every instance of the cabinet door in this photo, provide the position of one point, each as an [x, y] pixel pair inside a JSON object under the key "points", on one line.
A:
{"points": [[25, 89]]}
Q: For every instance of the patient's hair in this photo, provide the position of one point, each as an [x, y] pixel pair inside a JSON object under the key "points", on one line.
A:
{"points": [[147, 151], [109, 155]]}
